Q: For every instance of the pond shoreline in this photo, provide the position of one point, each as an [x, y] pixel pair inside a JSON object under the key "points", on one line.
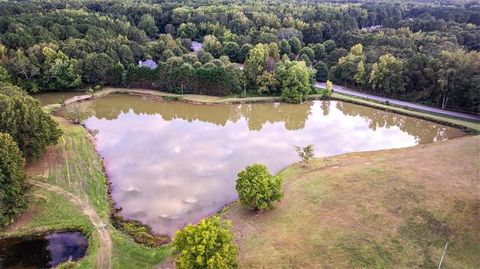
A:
{"points": [[116, 218], [118, 221], [471, 127]]}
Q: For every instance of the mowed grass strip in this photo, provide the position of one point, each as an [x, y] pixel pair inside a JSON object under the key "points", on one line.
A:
{"points": [[383, 209], [74, 165]]}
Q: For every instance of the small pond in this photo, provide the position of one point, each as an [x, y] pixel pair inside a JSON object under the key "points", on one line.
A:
{"points": [[172, 163], [43, 251]]}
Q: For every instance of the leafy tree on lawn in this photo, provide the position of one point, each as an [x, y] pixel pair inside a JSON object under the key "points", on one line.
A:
{"points": [[12, 179], [257, 188], [329, 87], [206, 245]]}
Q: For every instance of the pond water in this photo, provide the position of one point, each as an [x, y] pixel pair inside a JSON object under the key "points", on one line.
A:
{"points": [[49, 98], [172, 163], [44, 251]]}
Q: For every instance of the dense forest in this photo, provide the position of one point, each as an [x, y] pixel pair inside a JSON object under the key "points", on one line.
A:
{"points": [[420, 51]]}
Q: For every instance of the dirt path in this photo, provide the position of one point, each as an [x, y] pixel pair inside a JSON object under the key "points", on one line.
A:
{"points": [[104, 258]]}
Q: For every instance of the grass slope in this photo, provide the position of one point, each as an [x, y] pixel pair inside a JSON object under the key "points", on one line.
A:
{"points": [[383, 209], [74, 166]]}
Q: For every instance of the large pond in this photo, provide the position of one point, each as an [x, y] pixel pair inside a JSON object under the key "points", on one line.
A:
{"points": [[172, 163], [42, 251]]}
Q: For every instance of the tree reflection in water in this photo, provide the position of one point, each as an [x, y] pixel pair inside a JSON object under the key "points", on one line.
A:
{"points": [[423, 131]]}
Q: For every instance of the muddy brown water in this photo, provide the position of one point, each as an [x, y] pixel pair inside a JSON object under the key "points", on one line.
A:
{"points": [[172, 163], [42, 251], [50, 98]]}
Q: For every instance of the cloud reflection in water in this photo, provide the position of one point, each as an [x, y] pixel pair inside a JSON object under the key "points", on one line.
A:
{"points": [[174, 163]]}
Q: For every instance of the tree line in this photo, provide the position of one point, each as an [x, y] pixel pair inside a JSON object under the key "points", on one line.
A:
{"points": [[25, 132], [424, 52]]}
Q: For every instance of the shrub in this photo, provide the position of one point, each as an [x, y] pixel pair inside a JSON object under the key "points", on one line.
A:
{"points": [[305, 153], [12, 178], [327, 92], [207, 244], [257, 188]]}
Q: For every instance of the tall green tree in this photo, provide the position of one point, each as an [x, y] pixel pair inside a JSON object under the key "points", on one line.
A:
{"points": [[212, 45], [60, 72], [255, 65], [244, 50], [296, 80], [96, 66], [147, 24], [361, 76], [232, 50], [12, 179], [295, 45], [285, 47], [346, 67], [22, 117], [322, 71], [387, 76]]}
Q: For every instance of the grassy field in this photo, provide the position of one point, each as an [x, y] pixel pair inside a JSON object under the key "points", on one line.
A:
{"points": [[74, 166], [383, 209]]}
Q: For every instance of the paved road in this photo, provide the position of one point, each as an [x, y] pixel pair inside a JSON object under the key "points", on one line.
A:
{"points": [[352, 92]]}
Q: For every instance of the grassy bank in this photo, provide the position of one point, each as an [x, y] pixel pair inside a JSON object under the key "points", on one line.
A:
{"points": [[383, 209], [74, 166]]}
